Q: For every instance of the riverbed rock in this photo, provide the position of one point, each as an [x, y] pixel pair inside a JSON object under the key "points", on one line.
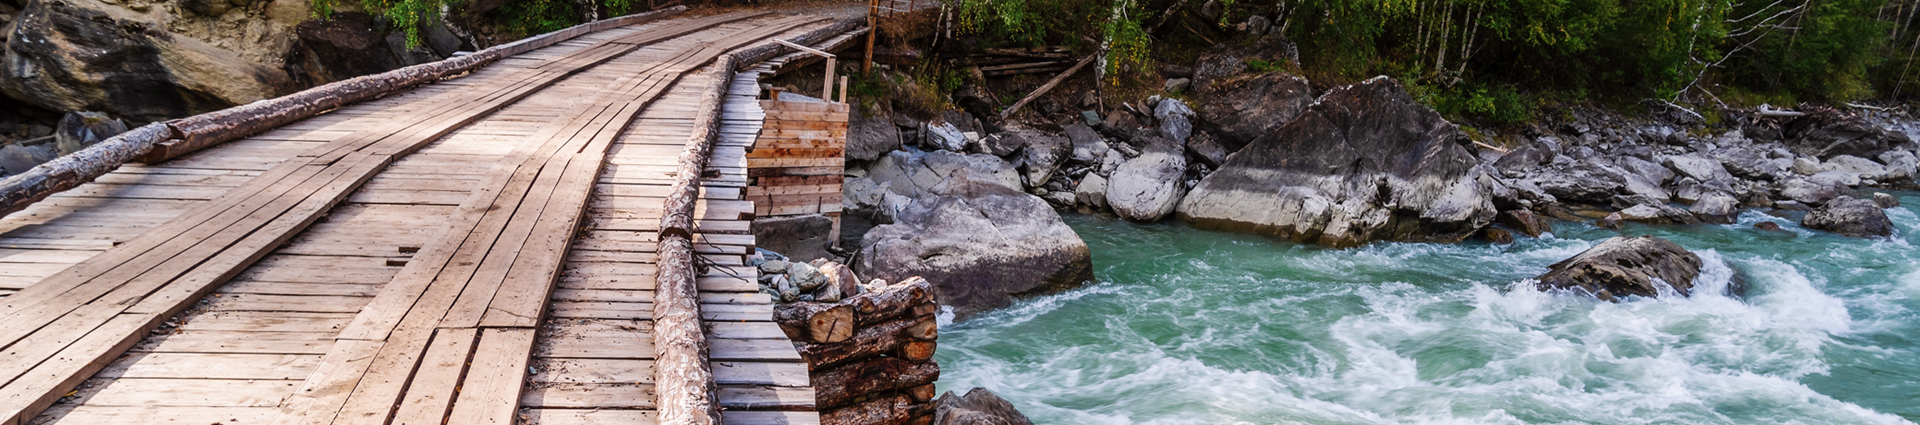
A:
{"points": [[1621, 266], [1826, 133], [1901, 165], [78, 130], [1088, 146], [1092, 192], [980, 244], [1526, 222], [1698, 168], [1886, 200], [899, 177], [1203, 146], [1716, 208], [978, 407], [871, 134], [66, 57], [1657, 214], [945, 136], [1850, 216], [1653, 173], [1366, 162], [1040, 154], [1148, 187], [1175, 119], [1238, 107], [1596, 180], [1809, 192]]}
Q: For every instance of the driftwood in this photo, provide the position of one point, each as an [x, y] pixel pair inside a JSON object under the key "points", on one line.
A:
{"points": [[162, 141], [840, 387], [815, 322], [1049, 86], [872, 341], [893, 410]]}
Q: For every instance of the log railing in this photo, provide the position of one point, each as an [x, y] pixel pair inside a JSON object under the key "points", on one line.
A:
{"points": [[683, 378], [161, 141]]}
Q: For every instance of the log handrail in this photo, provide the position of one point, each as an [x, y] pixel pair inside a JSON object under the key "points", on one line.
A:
{"points": [[683, 376], [160, 141]]}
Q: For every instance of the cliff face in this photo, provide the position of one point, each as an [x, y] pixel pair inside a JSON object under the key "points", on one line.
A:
{"points": [[148, 60]]}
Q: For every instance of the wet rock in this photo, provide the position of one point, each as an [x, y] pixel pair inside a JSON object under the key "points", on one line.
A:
{"points": [[1526, 222], [1612, 221], [1849, 216], [78, 130], [1497, 235], [980, 244], [1149, 187], [978, 407], [871, 134], [1060, 199], [1716, 208], [1767, 226], [345, 46], [1620, 266], [1657, 214], [1092, 192], [1886, 200], [64, 56], [1791, 206], [1364, 163]]}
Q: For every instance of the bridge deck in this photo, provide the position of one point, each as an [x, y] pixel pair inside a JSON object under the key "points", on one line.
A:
{"points": [[479, 250]]}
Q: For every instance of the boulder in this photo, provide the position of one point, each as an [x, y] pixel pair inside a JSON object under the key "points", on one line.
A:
{"points": [[1901, 165], [1597, 181], [1750, 163], [1657, 214], [1698, 168], [1175, 119], [1497, 235], [1526, 222], [802, 237], [78, 130], [346, 46], [65, 57], [1148, 187], [1625, 266], [1092, 192], [1716, 208], [1653, 173], [1886, 200], [16, 159], [980, 244], [1238, 107], [1040, 154], [1088, 146], [1857, 166], [1807, 191], [871, 134], [1203, 146], [1366, 162], [1827, 133], [1850, 216], [945, 136], [978, 407], [899, 177]]}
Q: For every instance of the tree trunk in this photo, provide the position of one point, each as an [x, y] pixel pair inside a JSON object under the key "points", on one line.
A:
{"points": [[71, 171], [894, 301], [841, 386]]}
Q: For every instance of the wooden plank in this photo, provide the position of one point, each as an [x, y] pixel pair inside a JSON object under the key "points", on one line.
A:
{"points": [[134, 392], [236, 342], [431, 393], [589, 417], [212, 366], [491, 393], [589, 396]]}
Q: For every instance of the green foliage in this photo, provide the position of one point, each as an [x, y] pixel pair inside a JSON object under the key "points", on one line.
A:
{"points": [[519, 18], [1257, 65], [1129, 43], [529, 17]]}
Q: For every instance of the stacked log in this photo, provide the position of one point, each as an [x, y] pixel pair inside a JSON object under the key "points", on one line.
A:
{"points": [[871, 355]]}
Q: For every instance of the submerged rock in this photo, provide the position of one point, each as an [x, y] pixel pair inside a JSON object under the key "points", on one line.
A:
{"points": [[1364, 163], [1623, 266], [1850, 216], [980, 244], [978, 407]]}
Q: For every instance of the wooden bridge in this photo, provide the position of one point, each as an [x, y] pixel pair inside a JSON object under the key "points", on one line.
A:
{"points": [[547, 232]]}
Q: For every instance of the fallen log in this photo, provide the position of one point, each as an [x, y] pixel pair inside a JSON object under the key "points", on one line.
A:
{"points": [[1048, 86], [872, 341], [815, 322], [893, 410], [842, 386]]}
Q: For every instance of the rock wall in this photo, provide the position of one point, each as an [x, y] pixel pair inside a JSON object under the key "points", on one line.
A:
{"points": [[870, 355]]}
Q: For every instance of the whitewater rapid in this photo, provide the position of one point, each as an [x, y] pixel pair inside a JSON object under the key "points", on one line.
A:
{"points": [[1193, 327]]}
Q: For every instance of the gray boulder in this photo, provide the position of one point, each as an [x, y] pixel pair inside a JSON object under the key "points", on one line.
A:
{"points": [[1653, 173], [1850, 216], [945, 136], [1886, 200], [1237, 107], [804, 237], [1092, 192], [16, 159], [1826, 133], [898, 178], [1861, 167], [1148, 187], [1810, 192], [1202, 145], [346, 45], [1624, 266], [78, 130], [871, 134], [1175, 119], [1040, 154], [980, 244], [1088, 146], [1366, 162], [1901, 165], [1716, 208], [1597, 181], [1698, 168], [978, 407]]}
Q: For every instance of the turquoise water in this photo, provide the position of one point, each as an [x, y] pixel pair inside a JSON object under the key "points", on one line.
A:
{"points": [[1194, 327]]}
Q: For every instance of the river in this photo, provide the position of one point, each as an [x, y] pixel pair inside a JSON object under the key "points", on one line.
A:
{"points": [[1193, 327]]}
